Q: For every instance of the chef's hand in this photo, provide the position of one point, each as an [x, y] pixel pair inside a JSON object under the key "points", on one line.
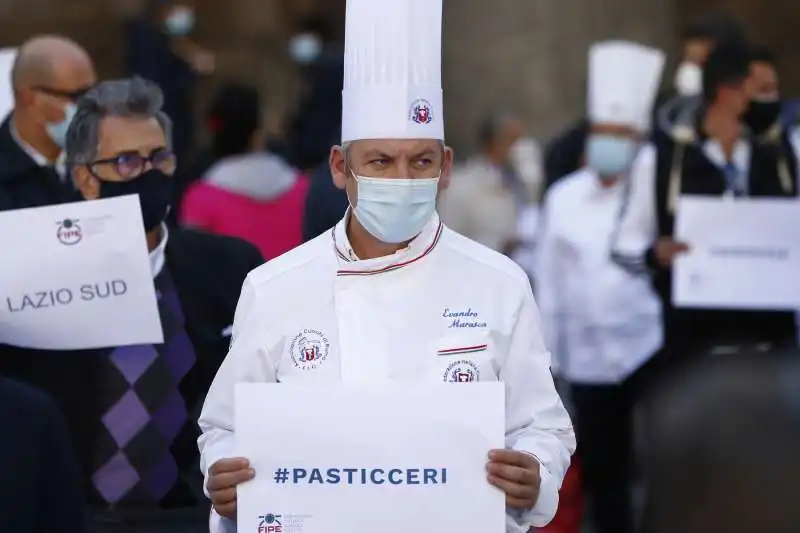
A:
{"points": [[517, 475], [667, 249], [223, 477]]}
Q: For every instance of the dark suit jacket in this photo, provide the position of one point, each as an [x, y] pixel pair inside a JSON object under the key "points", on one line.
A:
{"points": [[208, 271], [23, 183], [325, 204], [41, 489]]}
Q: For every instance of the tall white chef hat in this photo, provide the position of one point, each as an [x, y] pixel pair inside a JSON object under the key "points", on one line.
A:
{"points": [[393, 70], [624, 78], [7, 57]]}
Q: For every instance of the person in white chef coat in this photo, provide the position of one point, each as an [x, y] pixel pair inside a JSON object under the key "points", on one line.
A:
{"points": [[390, 293], [602, 322]]}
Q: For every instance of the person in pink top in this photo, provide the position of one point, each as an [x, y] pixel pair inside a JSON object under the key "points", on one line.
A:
{"points": [[247, 192]]}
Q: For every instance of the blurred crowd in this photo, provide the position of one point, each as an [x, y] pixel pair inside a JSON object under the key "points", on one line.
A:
{"points": [[687, 419]]}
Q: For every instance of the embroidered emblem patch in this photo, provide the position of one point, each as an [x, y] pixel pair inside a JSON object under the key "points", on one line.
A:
{"points": [[461, 372], [309, 349]]}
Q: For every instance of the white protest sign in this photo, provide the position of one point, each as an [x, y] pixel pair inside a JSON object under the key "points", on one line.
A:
{"points": [[7, 57], [744, 253], [389, 458], [77, 276]]}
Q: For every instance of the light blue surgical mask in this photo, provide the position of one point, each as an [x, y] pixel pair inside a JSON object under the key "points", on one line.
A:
{"points": [[609, 155], [305, 48], [395, 210], [180, 22], [58, 131]]}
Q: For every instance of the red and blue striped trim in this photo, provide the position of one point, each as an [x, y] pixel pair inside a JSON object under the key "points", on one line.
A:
{"points": [[395, 266], [464, 350]]}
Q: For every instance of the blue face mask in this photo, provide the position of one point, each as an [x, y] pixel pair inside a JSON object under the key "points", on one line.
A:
{"points": [[58, 131], [305, 48], [395, 210], [609, 155], [180, 22]]}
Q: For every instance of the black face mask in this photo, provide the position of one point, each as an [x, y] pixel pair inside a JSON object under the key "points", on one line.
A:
{"points": [[760, 116], [154, 190]]}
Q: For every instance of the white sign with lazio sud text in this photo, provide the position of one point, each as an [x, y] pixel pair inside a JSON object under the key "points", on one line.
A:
{"points": [[77, 276], [359, 459]]}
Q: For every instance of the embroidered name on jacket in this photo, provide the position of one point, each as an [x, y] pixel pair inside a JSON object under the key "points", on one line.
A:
{"points": [[463, 319]]}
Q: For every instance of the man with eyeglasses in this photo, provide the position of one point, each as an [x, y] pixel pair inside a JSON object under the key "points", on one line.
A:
{"points": [[49, 74], [132, 409]]}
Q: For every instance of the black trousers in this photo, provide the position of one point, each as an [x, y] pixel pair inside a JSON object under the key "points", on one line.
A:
{"points": [[604, 427], [161, 521]]}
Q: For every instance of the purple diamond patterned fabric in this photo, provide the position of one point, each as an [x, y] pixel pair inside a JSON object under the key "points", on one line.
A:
{"points": [[146, 410]]}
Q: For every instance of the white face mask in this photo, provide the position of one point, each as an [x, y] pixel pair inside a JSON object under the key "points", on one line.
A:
{"points": [[180, 21], [395, 210], [305, 48], [689, 79]]}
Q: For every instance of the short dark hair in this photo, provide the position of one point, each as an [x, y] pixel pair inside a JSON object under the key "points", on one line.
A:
{"points": [[727, 64], [492, 125], [762, 54], [724, 439], [233, 117], [720, 28]]}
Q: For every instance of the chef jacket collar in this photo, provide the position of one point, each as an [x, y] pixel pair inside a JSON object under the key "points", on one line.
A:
{"points": [[351, 265]]}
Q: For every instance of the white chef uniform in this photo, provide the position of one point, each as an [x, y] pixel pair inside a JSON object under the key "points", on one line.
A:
{"points": [[443, 309], [601, 322]]}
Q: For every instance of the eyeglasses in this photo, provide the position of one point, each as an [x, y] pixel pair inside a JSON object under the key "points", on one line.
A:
{"points": [[130, 166], [73, 96]]}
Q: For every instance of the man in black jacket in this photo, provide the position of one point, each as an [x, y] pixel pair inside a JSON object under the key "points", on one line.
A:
{"points": [[713, 156], [42, 489], [50, 73], [131, 409]]}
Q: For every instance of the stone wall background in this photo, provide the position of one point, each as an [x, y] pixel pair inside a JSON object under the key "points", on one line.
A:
{"points": [[528, 55]]}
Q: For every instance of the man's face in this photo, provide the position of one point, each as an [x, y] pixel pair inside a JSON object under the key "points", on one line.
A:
{"points": [[128, 147], [762, 85], [390, 159], [735, 97], [615, 130], [696, 50], [72, 76]]}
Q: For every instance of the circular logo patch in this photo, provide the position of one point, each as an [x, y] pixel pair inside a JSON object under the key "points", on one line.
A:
{"points": [[69, 232], [461, 372], [309, 349], [421, 112]]}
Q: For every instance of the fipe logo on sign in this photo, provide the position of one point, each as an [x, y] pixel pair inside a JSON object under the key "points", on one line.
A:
{"points": [[270, 523]]}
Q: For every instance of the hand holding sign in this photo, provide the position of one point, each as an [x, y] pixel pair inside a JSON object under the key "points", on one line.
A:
{"points": [[517, 475]]}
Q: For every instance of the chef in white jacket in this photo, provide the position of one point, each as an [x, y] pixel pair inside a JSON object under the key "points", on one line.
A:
{"points": [[601, 322], [390, 293]]}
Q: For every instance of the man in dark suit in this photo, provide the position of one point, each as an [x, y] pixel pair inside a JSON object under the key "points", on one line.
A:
{"points": [[48, 76], [46, 491], [325, 204], [132, 409]]}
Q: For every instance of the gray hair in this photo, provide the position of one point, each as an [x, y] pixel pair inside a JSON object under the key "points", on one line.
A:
{"points": [[133, 97]]}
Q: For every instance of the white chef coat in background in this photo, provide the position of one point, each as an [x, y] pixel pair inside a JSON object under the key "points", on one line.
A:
{"points": [[601, 322]]}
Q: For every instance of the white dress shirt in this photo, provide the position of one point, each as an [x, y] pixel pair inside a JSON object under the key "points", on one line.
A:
{"points": [[601, 322], [158, 255], [637, 229]]}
